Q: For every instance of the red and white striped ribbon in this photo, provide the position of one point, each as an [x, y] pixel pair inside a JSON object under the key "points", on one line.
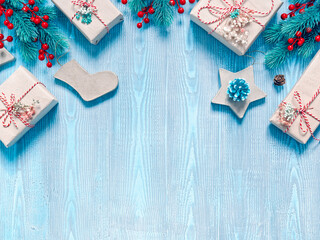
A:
{"points": [[224, 12], [303, 112], [8, 112], [82, 3]]}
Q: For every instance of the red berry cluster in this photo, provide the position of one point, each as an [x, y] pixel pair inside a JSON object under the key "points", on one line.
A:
{"points": [[7, 13], [43, 54], [34, 17], [8, 39], [298, 7], [299, 40], [144, 13], [179, 3]]}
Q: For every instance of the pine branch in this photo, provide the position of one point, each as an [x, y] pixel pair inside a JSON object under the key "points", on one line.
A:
{"points": [[310, 18], [309, 47], [29, 50], [277, 55], [48, 10], [54, 39], [163, 12], [137, 5], [25, 30], [273, 34]]}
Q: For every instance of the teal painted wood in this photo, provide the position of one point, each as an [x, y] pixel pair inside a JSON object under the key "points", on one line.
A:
{"points": [[155, 160]]}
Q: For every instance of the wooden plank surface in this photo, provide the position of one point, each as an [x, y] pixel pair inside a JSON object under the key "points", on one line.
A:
{"points": [[155, 160]]}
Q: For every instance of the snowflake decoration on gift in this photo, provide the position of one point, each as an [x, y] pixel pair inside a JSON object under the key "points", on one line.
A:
{"points": [[25, 111], [234, 29], [86, 13], [286, 113]]}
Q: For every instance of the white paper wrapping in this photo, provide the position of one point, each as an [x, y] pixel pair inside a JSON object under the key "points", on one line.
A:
{"points": [[307, 87], [254, 28], [18, 83], [96, 30]]}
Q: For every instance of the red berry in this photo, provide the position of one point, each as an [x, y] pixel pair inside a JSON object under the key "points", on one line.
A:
{"points": [[45, 46], [41, 57], [41, 51], [300, 43], [10, 26], [144, 9], [36, 9], [46, 17], [1, 45], [9, 12], [291, 14], [302, 40], [284, 16], [124, 1], [25, 9], [9, 38], [146, 20], [31, 2], [172, 2], [32, 19], [1, 36], [290, 40], [290, 47], [308, 30], [140, 14], [35, 40], [6, 22], [301, 11], [37, 20], [182, 2], [310, 4], [298, 34], [49, 64], [297, 5], [192, 1], [317, 38], [51, 56], [44, 25], [180, 10], [2, 1], [139, 25], [151, 10], [291, 7]]}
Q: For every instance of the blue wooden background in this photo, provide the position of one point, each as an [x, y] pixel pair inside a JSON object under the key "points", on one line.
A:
{"points": [[155, 160]]}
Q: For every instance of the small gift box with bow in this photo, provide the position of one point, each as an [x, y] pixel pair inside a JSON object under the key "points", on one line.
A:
{"points": [[23, 102], [299, 113], [93, 18], [235, 23]]}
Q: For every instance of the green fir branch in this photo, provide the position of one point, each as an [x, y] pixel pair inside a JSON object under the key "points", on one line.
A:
{"points": [[277, 55], [56, 41], [29, 50], [25, 30], [310, 18], [48, 10], [309, 46], [163, 15], [137, 5], [273, 34]]}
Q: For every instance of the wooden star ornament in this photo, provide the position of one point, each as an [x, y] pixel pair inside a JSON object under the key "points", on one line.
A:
{"points": [[240, 107]]}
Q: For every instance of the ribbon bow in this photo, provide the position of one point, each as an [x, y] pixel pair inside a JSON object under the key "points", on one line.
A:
{"points": [[224, 12], [303, 112], [82, 3], [9, 113]]}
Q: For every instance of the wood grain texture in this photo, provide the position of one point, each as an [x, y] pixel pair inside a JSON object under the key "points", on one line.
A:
{"points": [[155, 160]]}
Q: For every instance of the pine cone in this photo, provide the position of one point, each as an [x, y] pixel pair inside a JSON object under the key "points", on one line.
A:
{"points": [[238, 90], [279, 80]]}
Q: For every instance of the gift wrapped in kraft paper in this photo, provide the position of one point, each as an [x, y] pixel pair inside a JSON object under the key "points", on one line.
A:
{"points": [[299, 113], [93, 18], [235, 23], [23, 102]]}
